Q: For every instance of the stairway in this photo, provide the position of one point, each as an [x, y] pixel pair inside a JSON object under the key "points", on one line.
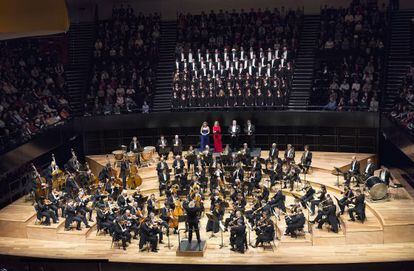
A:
{"points": [[77, 73], [399, 56], [165, 68], [304, 63]]}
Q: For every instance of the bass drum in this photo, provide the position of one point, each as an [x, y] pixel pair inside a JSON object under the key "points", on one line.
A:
{"points": [[377, 189]]}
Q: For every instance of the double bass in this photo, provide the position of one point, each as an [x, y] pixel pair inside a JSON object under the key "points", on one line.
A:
{"points": [[133, 179], [41, 184], [112, 174]]}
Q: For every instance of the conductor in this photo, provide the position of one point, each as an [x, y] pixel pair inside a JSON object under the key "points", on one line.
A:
{"points": [[193, 213]]}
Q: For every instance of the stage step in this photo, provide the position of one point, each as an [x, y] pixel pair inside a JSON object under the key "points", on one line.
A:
{"points": [[323, 237], [14, 220], [75, 235], [42, 232]]}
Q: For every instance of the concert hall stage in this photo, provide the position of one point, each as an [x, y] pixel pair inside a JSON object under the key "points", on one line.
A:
{"points": [[386, 236]]}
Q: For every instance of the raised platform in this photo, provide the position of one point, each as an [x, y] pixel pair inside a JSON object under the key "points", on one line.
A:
{"points": [[195, 249], [384, 237]]}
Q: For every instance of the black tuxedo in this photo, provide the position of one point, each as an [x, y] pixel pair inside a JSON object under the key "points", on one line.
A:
{"points": [[177, 146], [385, 176], [369, 170], [135, 147], [250, 134], [234, 137], [163, 150], [290, 155], [274, 153]]}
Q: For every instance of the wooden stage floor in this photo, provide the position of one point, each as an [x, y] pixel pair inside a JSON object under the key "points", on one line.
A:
{"points": [[386, 236]]}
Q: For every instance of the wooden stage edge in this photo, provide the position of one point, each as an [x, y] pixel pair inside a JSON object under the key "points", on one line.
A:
{"points": [[386, 236]]}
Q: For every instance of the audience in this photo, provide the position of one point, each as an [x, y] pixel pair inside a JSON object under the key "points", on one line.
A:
{"points": [[403, 111], [32, 91], [350, 57], [124, 61], [230, 59]]}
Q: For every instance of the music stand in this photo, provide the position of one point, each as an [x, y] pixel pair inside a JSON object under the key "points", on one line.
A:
{"points": [[222, 229], [249, 229], [337, 172]]}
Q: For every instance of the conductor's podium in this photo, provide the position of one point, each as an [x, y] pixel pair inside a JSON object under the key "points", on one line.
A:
{"points": [[194, 249]]}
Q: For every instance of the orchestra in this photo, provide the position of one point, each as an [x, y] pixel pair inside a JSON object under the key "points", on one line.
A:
{"points": [[241, 200]]}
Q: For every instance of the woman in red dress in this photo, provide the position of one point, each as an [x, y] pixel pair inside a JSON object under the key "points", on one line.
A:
{"points": [[218, 145]]}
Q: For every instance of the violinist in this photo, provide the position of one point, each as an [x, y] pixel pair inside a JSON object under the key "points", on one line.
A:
{"points": [[327, 214], [295, 222], [262, 193], [103, 219], [55, 202], [151, 204], [82, 201], [72, 214], [277, 201], [256, 165], [254, 180], [321, 197], [149, 234], [358, 207], [308, 196], [121, 232], [201, 177], [138, 197], [254, 214], [275, 172], [218, 213], [240, 203], [238, 173], [166, 217], [265, 230], [131, 224], [344, 202], [43, 211], [292, 176], [123, 201]]}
